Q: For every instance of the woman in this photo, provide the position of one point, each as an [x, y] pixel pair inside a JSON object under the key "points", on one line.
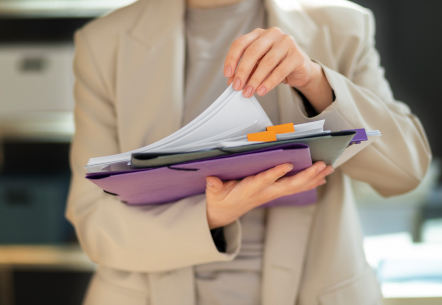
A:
{"points": [[147, 69]]}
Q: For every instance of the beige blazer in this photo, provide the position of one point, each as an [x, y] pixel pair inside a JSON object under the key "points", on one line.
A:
{"points": [[129, 69]]}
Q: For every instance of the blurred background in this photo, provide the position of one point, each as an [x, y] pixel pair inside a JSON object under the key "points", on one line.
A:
{"points": [[40, 260]]}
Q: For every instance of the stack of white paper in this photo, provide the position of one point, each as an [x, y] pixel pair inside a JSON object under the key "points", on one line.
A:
{"points": [[225, 123]]}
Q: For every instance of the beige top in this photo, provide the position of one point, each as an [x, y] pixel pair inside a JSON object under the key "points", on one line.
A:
{"points": [[209, 34]]}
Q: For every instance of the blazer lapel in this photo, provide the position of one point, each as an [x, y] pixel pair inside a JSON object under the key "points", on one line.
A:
{"points": [[286, 241], [150, 75], [293, 20], [149, 91]]}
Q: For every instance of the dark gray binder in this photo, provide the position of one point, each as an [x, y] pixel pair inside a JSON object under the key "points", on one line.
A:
{"points": [[327, 148]]}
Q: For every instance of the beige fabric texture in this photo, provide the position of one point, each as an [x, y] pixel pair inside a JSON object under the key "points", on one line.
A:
{"points": [[129, 68], [209, 34]]}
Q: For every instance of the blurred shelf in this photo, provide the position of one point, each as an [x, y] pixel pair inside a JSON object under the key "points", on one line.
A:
{"points": [[54, 257], [38, 258], [413, 301], [59, 8], [47, 126]]}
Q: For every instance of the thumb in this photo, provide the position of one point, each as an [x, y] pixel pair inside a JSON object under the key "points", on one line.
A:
{"points": [[214, 184]]}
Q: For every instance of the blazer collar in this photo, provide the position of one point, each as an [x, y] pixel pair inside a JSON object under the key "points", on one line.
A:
{"points": [[157, 20], [292, 18], [159, 17]]}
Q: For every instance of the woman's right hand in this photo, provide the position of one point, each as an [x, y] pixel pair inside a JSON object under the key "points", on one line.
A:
{"points": [[227, 201]]}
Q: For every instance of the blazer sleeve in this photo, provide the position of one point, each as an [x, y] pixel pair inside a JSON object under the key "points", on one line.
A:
{"points": [[398, 161], [132, 238]]}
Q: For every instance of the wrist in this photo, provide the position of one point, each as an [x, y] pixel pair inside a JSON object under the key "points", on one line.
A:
{"points": [[317, 89], [314, 80]]}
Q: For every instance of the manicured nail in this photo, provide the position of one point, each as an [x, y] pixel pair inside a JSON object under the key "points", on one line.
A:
{"points": [[228, 72], [321, 168], [323, 181], [248, 91], [261, 90], [288, 169], [208, 183], [237, 84]]}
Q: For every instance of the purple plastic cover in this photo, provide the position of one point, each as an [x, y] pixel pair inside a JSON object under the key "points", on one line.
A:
{"points": [[167, 184], [360, 135]]}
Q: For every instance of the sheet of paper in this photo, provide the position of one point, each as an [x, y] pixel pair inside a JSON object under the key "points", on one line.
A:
{"points": [[230, 115], [310, 126]]}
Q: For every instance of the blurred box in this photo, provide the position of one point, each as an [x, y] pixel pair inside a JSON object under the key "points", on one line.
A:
{"points": [[34, 183], [32, 209], [36, 77]]}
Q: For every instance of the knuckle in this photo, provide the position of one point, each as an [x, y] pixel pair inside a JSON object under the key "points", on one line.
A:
{"points": [[302, 66], [275, 30], [294, 56], [265, 179], [269, 83], [258, 30], [281, 72], [269, 60], [292, 188], [239, 42], [287, 39], [241, 71], [254, 81], [253, 50]]}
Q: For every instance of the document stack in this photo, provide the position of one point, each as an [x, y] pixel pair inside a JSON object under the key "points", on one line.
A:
{"points": [[231, 139]]}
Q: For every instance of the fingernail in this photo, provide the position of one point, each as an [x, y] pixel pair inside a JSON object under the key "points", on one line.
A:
{"points": [[321, 168], [261, 90], [248, 91], [288, 169], [228, 72], [208, 183], [237, 84]]}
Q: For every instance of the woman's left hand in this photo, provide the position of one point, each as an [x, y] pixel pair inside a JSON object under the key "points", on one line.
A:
{"points": [[265, 58]]}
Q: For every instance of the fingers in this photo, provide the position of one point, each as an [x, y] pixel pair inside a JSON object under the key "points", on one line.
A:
{"points": [[310, 172], [237, 50], [274, 57], [319, 179], [268, 177], [264, 59], [246, 52], [251, 56], [303, 181], [270, 184], [278, 75]]}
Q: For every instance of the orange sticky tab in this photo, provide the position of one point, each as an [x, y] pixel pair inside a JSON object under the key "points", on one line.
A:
{"points": [[283, 128], [265, 136]]}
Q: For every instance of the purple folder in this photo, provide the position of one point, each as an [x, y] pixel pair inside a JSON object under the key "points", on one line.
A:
{"points": [[174, 182], [361, 135]]}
